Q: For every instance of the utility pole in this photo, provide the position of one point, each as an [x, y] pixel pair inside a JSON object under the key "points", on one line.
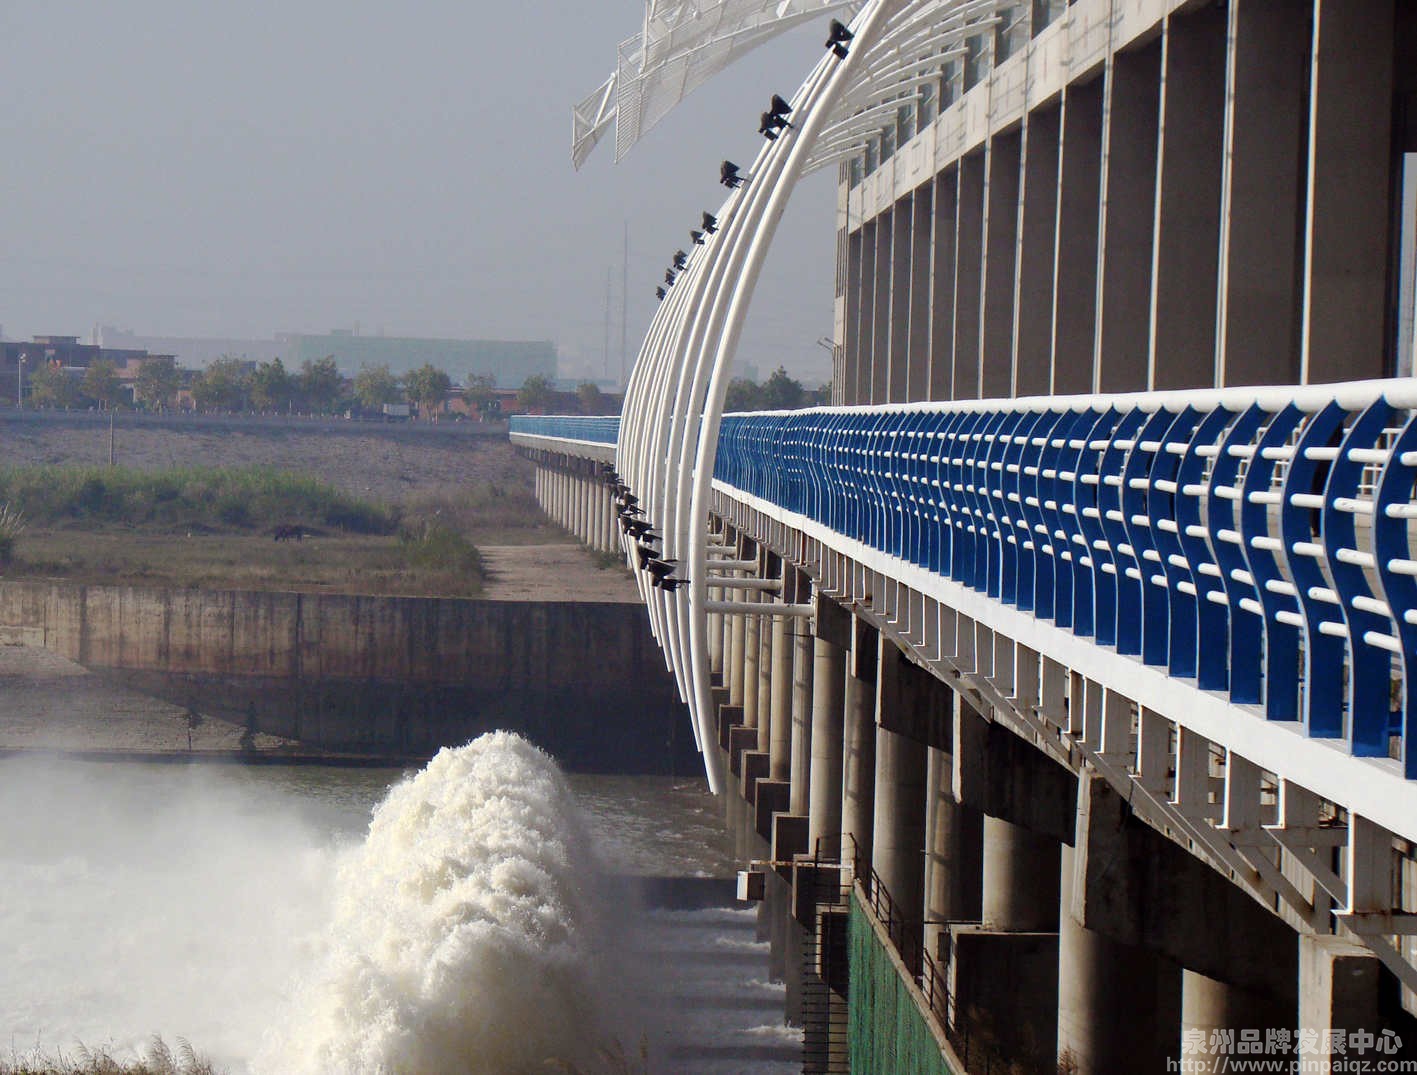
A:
{"points": [[605, 346], [624, 306]]}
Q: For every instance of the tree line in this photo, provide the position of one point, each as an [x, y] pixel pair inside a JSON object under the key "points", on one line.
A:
{"points": [[778, 393], [234, 385]]}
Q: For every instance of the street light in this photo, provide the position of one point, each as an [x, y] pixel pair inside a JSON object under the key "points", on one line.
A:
{"points": [[20, 382]]}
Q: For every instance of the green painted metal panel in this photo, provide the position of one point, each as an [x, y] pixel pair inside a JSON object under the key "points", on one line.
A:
{"points": [[889, 1034]]}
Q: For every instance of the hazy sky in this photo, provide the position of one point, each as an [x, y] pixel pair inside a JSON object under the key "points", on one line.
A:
{"points": [[238, 170]]}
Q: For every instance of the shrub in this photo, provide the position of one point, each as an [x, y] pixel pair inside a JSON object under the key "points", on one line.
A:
{"points": [[246, 498], [434, 545], [12, 525]]}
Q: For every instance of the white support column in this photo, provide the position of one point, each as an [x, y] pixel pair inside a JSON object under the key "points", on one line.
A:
{"points": [[803, 683], [828, 714], [779, 745]]}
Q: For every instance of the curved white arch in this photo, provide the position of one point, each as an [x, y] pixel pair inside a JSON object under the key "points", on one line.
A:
{"points": [[675, 398]]}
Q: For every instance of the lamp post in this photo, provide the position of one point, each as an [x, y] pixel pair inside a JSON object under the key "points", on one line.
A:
{"points": [[20, 382]]}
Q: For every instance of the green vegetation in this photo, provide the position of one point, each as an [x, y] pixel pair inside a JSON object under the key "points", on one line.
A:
{"points": [[480, 395], [271, 387], [199, 499], [374, 386], [211, 527], [778, 393], [12, 525], [427, 387], [485, 512], [158, 382], [437, 546], [535, 394], [223, 386]]}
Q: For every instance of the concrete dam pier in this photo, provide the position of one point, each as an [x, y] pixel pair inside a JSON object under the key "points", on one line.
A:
{"points": [[384, 676]]}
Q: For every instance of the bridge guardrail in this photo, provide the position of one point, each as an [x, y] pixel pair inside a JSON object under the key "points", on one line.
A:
{"points": [[1257, 542], [594, 429]]}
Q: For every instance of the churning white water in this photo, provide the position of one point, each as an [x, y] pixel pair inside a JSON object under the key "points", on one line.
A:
{"points": [[142, 900], [245, 913], [463, 937]]}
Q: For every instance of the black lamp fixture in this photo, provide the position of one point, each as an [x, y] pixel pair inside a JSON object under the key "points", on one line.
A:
{"points": [[710, 223], [837, 37], [697, 236], [681, 260], [659, 293], [728, 175]]}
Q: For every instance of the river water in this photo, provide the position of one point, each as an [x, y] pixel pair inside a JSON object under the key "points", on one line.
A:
{"points": [[293, 920]]}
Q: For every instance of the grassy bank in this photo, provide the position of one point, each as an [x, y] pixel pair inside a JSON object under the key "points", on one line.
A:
{"points": [[214, 527], [238, 499]]}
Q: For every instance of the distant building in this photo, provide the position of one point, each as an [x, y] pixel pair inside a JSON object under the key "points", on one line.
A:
{"points": [[510, 361], [21, 358], [194, 352]]}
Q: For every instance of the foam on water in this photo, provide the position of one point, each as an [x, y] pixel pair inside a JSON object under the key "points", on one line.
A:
{"points": [[464, 933]]}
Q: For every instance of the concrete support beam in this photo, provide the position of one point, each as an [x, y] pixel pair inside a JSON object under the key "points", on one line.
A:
{"points": [[898, 349], [851, 345], [1338, 988], [969, 275], [912, 701], [1266, 128], [737, 654], [1020, 879], [828, 708], [898, 826], [866, 313], [881, 309], [942, 285], [752, 650], [780, 699], [917, 350], [800, 774], [996, 374], [1006, 990], [1208, 1005], [1128, 207], [1350, 192], [859, 744], [765, 672], [1036, 253], [998, 773], [1188, 192], [1075, 287], [954, 836], [1119, 1006], [1140, 888]]}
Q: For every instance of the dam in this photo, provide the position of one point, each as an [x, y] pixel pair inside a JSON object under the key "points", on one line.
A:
{"points": [[1057, 680]]}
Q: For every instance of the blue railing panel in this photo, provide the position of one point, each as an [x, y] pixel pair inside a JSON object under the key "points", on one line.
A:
{"points": [[1254, 546], [596, 430]]}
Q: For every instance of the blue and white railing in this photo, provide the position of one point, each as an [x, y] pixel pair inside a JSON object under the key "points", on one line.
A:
{"points": [[1257, 542], [592, 430]]}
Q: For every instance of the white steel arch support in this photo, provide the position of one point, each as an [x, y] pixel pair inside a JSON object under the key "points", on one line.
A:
{"points": [[866, 27]]}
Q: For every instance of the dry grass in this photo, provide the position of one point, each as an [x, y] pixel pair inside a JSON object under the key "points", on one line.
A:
{"points": [[159, 1059], [486, 512], [336, 563]]}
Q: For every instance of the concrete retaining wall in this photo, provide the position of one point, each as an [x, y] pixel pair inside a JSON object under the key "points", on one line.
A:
{"points": [[377, 674]]}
